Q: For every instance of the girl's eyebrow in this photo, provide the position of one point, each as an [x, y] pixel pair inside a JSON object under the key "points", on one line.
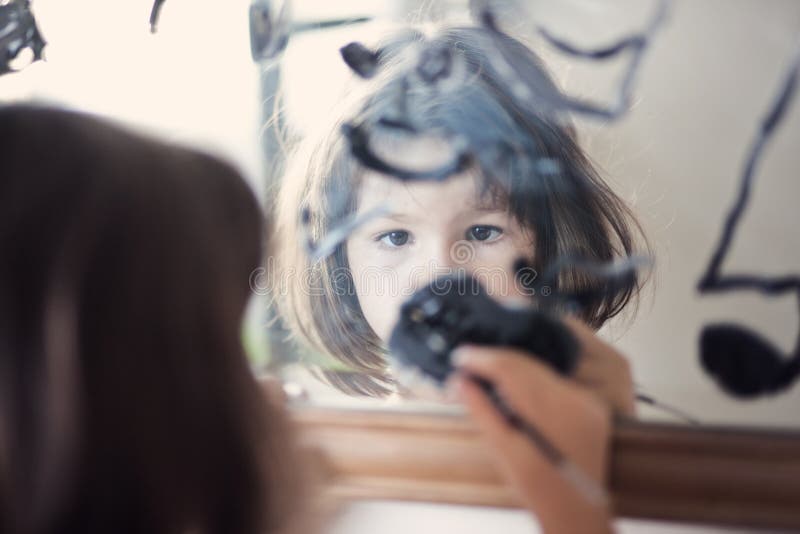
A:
{"points": [[469, 210], [398, 217], [484, 206], [488, 207], [488, 203]]}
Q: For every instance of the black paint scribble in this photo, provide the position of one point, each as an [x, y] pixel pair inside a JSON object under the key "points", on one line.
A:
{"points": [[533, 89], [18, 31], [453, 310], [435, 63], [361, 149], [742, 361], [155, 12], [360, 59], [325, 246], [610, 278], [270, 26]]}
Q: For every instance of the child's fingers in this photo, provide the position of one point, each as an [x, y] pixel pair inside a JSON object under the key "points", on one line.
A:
{"points": [[603, 369], [500, 365], [527, 385], [480, 407], [538, 481], [499, 435]]}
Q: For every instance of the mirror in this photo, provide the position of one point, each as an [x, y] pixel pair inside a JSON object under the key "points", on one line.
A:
{"points": [[671, 151], [675, 157]]}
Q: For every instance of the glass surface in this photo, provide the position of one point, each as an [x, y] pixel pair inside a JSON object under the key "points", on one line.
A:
{"points": [[675, 158]]}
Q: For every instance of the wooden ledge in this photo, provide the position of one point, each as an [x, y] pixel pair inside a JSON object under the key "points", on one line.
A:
{"points": [[721, 476]]}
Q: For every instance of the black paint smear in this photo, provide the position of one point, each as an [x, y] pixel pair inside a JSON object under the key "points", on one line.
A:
{"points": [[269, 29], [154, 14], [360, 59], [611, 278], [457, 309], [743, 362], [325, 246], [361, 149], [712, 280], [18, 31], [532, 89], [435, 63]]}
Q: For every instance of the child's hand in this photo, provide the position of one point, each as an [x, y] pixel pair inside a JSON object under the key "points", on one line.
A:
{"points": [[574, 419], [603, 370]]}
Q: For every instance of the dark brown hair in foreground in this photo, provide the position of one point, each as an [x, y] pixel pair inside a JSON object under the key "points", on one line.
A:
{"points": [[126, 401]]}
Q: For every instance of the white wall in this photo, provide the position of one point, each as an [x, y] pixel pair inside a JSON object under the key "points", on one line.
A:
{"points": [[388, 517], [192, 82]]}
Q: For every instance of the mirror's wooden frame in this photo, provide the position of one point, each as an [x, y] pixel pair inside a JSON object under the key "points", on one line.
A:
{"points": [[722, 476]]}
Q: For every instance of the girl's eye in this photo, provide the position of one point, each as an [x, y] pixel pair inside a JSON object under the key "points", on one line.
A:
{"points": [[484, 233], [395, 238]]}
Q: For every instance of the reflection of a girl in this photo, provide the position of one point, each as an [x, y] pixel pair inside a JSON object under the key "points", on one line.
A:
{"points": [[543, 200]]}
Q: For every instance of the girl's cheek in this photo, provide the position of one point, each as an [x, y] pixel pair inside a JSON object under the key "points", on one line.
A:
{"points": [[500, 254], [385, 262], [368, 253], [493, 267]]}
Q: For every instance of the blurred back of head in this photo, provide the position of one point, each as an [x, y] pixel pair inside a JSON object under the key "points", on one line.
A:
{"points": [[126, 401]]}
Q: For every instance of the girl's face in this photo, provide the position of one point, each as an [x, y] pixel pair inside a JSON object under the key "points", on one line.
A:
{"points": [[431, 229]]}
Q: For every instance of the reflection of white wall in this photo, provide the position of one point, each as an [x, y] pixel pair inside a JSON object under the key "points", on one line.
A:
{"points": [[678, 156], [192, 82]]}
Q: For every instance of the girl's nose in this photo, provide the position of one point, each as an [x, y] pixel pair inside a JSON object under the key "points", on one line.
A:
{"points": [[461, 253], [451, 257], [443, 258]]}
